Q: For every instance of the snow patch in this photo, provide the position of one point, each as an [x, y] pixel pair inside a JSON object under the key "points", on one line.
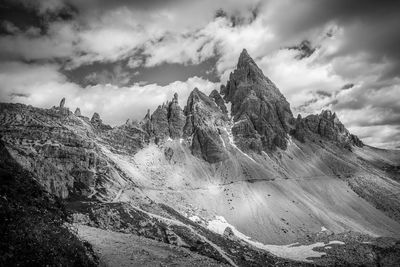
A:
{"points": [[219, 225], [229, 108], [223, 142], [336, 242], [195, 219], [292, 251], [323, 229]]}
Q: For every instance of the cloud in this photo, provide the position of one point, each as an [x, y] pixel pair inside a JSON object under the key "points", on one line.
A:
{"points": [[31, 45]]}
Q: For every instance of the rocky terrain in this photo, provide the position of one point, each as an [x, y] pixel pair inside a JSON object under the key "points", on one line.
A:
{"points": [[232, 178]]}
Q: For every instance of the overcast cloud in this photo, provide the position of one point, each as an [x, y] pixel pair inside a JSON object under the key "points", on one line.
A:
{"points": [[106, 56]]}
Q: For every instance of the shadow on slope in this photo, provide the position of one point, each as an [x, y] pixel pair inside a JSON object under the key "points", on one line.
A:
{"points": [[32, 223]]}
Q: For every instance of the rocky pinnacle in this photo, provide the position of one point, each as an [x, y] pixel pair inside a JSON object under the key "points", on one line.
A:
{"points": [[261, 113]]}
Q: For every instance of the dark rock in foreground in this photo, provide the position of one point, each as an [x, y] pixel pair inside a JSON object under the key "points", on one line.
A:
{"points": [[32, 223]]}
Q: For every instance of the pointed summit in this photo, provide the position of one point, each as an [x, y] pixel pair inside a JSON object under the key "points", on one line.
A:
{"points": [[247, 64], [245, 59], [261, 111], [244, 56]]}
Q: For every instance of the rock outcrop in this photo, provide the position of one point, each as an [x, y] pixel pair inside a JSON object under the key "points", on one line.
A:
{"points": [[78, 112], [176, 118], [167, 121], [229, 234], [61, 109], [261, 113], [203, 117], [66, 161], [146, 124], [326, 125], [219, 101], [62, 102], [98, 124], [33, 222], [159, 121]]}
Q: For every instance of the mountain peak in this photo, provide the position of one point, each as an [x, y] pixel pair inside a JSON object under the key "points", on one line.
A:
{"points": [[246, 62], [244, 55], [258, 105]]}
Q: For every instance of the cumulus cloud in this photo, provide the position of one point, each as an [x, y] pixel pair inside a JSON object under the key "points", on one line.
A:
{"points": [[43, 86]]}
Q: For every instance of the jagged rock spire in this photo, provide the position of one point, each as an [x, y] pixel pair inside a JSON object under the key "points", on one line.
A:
{"points": [[148, 116], [218, 100], [62, 102], [175, 99], [97, 122], [95, 117], [259, 106], [176, 118], [77, 112]]}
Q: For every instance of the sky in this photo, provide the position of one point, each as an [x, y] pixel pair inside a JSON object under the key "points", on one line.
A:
{"points": [[120, 58]]}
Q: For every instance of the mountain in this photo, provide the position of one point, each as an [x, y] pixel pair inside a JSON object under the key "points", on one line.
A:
{"points": [[231, 178]]}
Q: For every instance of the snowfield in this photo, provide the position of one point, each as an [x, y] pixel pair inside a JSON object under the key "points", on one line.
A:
{"points": [[291, 251]]}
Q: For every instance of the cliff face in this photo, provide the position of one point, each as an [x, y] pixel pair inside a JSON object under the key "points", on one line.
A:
{"points": [[61, 149], [166, 121], [203, 121], [32, 222], [327, 126], [262, 116], [261, 113]]}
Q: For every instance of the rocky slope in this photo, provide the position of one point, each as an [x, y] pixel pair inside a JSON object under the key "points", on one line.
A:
{"points": [[33, 225], [232, 176]]}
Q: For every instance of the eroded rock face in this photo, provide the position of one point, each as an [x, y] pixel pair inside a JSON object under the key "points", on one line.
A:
{"points": [[219, 101], [61, 151], [326, 125], [203, 117], [98, 123], [166, 121], [228, 233], [66, 162], [62, 102], [261, 113], [176, 118], [159, 120], [78, 112]]}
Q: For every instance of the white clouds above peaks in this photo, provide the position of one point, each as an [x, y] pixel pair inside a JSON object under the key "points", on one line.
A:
{"points": [[43, 86]]}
